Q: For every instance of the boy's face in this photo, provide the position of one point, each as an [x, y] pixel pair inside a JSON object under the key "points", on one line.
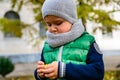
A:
{"points": [[57, 25]]}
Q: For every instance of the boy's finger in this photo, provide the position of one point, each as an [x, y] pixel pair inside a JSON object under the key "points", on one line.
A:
{"points": [[40, 70], [40, 67], [48, 70], [51, 75], [40, 63], [41, 75]]}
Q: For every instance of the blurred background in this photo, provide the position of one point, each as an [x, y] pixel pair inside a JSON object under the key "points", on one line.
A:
{"points": [[22, 34]]}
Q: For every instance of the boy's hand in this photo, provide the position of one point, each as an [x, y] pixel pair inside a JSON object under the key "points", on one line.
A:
{"points": [[40, 69], [51, 70]]}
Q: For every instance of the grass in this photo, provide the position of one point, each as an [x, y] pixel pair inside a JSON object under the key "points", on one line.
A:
{"points": [[109, 75], [112, 75], [29, 77]]}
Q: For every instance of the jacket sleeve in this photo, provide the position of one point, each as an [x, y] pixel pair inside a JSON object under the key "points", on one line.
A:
{"points": [[93, 70], [35, 71]]}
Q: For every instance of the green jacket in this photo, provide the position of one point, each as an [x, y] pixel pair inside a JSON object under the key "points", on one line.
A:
{"points": [[74, 52]]}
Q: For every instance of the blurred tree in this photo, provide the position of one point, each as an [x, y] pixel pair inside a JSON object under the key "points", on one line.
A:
{"points": [[91, 10], [94, 11], [9, 24], [6, 66]]}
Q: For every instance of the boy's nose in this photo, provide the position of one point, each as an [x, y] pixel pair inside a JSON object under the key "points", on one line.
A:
{"points": [[53, 29]]}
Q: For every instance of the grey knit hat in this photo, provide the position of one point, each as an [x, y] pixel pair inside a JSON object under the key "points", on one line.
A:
{"points": [[65, 9]]}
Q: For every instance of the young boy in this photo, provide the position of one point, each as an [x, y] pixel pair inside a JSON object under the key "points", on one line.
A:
{"points": [[69, 52]]}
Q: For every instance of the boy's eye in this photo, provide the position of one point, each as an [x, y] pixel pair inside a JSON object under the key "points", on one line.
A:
{"points": [[58, 23], [48, 24]]}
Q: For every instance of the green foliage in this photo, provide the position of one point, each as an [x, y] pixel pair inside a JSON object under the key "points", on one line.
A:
{"points": [[13, 3], [6, 66], [85, 8], [11, 26], [86, 11], [112, 75], [17, 3], [102, 17]]}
